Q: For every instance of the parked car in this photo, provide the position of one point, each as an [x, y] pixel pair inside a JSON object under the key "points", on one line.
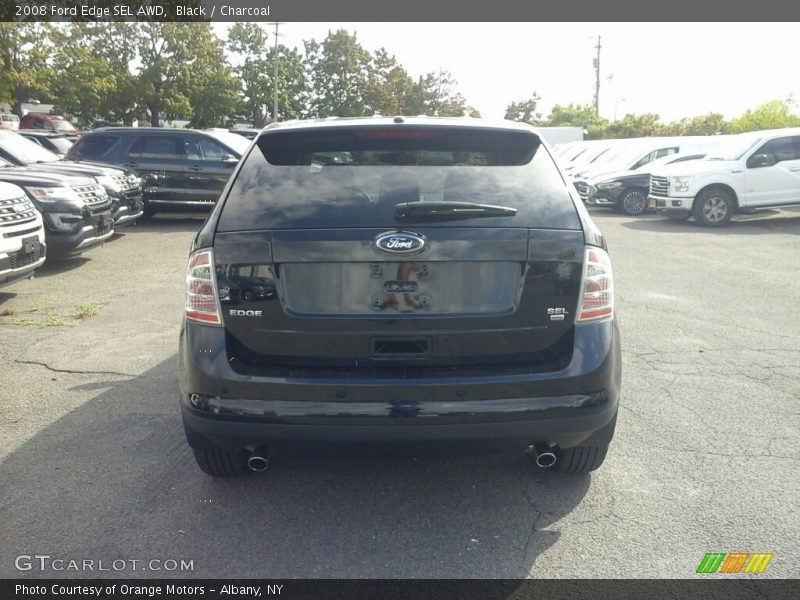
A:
{"points": [[9, 121], [55, 142], [250, 134], [754, 171], [100, 123], [76, 210], [22, 239], [636, 153], [55, 123], [627, 190], [413, 282], [583, 153], [123, 185], [183, 169]]}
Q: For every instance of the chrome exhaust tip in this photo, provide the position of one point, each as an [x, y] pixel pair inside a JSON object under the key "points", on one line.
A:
{"points": [[257, 463], [544, 455], [545, 460]]}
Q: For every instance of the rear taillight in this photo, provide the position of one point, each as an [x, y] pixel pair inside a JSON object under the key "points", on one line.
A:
{"points": [[202, 302], [597, 289]]}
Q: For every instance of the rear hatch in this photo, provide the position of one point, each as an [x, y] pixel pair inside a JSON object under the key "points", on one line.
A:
{"points": [[398, 247]]}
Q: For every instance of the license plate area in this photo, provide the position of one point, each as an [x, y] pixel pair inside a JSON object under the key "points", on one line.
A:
{"points": [[30, 245], [401, 289], [400, 347]]}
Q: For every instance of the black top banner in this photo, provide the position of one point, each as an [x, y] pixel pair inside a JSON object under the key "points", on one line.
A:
{"points": [[403, 11]]}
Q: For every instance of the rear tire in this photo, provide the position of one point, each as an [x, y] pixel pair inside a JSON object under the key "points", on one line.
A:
{"points": [[633, 202], [581, 459], [714, 207], [220, 463]]}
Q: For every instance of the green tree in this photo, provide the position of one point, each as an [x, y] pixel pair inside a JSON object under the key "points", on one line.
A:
{"points": [[525, 110], [209, 84], [710, 124], [772, 115], [576, 115], [340, 72], [630, 126], [255, 70], [390, 87], [436, 95], [24, 52], [91, 78], [184, 73]]}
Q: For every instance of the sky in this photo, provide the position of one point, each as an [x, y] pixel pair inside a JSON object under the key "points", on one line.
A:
{"points": [[673, 69]]}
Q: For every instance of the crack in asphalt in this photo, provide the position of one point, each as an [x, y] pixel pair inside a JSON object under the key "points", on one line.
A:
{"points": [[539, 514], [71, 371]]}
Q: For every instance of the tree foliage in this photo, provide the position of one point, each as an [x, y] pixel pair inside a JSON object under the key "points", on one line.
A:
{"points": [[24, 53], [340, 72], [525, 111], [436, 95], [772, 115], [121, 71]]}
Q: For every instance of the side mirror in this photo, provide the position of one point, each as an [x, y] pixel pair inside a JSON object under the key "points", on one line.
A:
{"points": [[229, 159], [761, 160]]}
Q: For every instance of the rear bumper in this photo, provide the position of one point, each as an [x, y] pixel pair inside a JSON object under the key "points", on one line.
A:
{"points": [[224, 409]]}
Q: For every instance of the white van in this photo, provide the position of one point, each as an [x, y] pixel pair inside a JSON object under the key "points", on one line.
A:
{"points": [[9, 121]]}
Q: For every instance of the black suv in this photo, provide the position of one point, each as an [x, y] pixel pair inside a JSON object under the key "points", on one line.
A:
{"points": [[123, 186], [76, 210], [411, 282], [183, 169]]}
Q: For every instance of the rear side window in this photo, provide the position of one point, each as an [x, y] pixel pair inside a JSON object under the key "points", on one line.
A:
{"points": [[202, 148], [356, 176], [155, 146], [93, 146]]}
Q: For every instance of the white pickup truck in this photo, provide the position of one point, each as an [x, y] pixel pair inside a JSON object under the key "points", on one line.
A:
{"points": [[754, 171], [22, 244]]}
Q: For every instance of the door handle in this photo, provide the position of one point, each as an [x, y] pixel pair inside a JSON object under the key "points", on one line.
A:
{"points": [[195, 168], [794, 168]]}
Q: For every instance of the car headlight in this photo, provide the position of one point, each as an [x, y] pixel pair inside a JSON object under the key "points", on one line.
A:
{"points": [[109, 183], [53, 194], [609, 185], [679, 184]]}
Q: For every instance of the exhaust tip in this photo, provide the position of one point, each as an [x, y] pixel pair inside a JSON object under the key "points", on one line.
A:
{"points": [[544, 455], [545, 460], [257, 463]]}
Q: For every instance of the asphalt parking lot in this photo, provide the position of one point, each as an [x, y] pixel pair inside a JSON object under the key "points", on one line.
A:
{"points": [[94, 465]]}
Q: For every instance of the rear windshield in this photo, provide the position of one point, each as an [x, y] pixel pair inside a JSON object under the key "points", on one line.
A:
{"points": [[355, 177], [93, 146]]}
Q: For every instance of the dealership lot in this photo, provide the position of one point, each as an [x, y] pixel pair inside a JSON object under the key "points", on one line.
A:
{"points": [[94, 464]]}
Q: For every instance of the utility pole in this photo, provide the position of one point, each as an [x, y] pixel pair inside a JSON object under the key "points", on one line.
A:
{"points": [[275, 78], [597, 79]]}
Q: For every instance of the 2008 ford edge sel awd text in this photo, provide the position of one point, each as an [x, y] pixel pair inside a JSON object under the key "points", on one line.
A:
{"points": [[408, 282]]}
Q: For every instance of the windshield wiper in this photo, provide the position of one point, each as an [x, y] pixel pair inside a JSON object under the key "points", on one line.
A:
{"points": [[441, 211]]}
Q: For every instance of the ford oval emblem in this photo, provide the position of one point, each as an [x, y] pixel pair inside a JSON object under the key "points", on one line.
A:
{"points": [[400, 242]]}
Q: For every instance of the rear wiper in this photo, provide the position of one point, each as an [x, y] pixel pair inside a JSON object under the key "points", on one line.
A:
{"points": [[449, 210]]}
